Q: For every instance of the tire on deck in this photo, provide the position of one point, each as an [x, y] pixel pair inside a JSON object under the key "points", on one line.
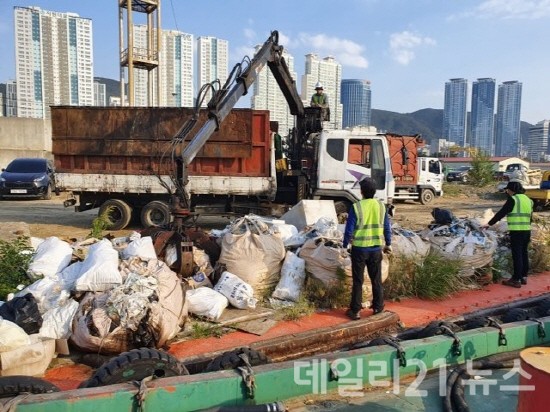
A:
{"points": [[14, 385], [118, 213], [232, 360], [136, 365], [155, 213]]}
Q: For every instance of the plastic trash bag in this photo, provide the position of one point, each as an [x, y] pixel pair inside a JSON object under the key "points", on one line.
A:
{"points": [[23, 311]]}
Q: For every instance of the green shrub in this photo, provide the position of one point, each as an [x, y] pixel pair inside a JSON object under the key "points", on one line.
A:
{"points": [[15, 257], [100, 223], [481, 173]]}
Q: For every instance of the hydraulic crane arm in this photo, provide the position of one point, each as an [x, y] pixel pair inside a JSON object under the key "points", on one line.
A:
{"points": [[271, 54]]}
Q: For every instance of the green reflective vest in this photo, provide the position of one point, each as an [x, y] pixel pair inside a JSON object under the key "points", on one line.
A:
{"points": [[520, 217], [318, 99], [369, 229]]}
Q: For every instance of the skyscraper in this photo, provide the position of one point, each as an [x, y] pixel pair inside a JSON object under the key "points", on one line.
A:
{"points": [[454, 111], [100, 94], [268, 95], [507, 138], [329, 72], [356, 103], [538, 147], [176, 70], [53, 60], [483, 109], [212, 62]]}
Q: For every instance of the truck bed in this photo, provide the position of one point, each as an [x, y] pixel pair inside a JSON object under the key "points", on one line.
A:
{"points": [[538, 194], [138, 140]]}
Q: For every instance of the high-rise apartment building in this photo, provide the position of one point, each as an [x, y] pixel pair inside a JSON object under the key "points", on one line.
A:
{"points": [[329, 72], [356, 103], [176, 70], [454, 111], [10, 99], [53, 60], [100, 94], [267, 95], [538, 146], [507, 137], [212, 62], [483, 115]]}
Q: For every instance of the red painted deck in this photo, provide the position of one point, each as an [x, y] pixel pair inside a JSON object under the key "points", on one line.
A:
{"points": [[412, 312]]}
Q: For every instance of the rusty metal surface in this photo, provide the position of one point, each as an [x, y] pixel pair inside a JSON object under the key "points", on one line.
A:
{"points": [[309, 343], [130, 140]]}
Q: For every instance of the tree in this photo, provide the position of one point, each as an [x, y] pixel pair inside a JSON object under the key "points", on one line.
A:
{"points": [[481, 173]]}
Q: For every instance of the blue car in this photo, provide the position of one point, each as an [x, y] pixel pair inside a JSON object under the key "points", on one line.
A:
{"points": [[26, 177]]}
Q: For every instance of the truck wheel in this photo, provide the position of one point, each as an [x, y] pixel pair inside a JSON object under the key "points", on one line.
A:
{"points": [[426, 196], [136, 365], [155, 213], [117, 212]]}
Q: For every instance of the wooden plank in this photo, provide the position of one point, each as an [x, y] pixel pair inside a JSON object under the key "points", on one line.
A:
{"points": [[231, 316]]}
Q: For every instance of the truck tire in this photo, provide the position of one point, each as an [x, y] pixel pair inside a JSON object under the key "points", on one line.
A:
{"points": [[119, 213], [232, 360], [136, 365], [155, 213], [426, 196], [14, 385]]}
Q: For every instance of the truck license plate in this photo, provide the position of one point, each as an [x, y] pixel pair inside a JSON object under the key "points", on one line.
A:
{"points": [[18, 191]]}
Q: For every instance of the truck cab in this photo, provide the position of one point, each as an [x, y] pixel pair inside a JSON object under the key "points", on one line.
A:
{"points": [[345, 157]]}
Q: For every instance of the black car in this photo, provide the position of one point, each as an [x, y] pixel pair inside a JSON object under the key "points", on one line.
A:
{"points": [[28, 177], [459, 175]]}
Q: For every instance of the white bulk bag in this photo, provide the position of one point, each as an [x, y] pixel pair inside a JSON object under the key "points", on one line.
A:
{"points": [[239, 293], [52, 256], [57, 321], [293, 276], [12, 336], [206, 302], [99, 271], [141, 247]]}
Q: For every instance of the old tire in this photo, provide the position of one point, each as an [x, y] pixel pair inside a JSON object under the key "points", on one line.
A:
{"points": [[426, 196], [155, 213], [14, 385], [514, 315], [118, 213], [231, 360], [136, 365]]}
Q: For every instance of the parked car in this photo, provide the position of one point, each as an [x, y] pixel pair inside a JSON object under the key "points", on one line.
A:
{"points": [[459, 175], [25, 177]]}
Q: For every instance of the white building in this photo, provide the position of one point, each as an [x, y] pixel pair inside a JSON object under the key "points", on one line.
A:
{"points": [[212, 62], [538, 148], [329, 72], [53, 60], [100, 94], [176, 70], [267, 95]]}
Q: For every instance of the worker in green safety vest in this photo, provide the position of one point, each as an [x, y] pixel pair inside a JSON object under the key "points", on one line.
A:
{"points": [[518, 210], [368, 229]]}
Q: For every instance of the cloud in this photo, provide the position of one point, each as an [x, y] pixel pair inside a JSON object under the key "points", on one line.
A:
{"points": [[509, 9], [404, 44], [346, 52], [249, 34]]}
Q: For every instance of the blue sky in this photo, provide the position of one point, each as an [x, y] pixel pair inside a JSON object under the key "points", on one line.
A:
{"points": [[408, 49]]}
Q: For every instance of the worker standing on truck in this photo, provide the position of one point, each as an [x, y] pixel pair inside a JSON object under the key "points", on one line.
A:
{"points": [[320, 99], [368, 228], [518, 210]]}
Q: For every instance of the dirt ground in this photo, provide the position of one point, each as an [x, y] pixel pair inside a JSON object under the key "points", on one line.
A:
{"points": [[49, 217]]}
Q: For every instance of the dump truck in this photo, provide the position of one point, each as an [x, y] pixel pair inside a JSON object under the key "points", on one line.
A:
{"points": [[151, 164]]}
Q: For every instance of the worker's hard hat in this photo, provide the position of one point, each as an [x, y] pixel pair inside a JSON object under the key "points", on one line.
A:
{"points": [[318, 86]]}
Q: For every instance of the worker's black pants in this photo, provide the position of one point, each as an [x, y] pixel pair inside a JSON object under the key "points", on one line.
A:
{"points": [[373, 261], [519, 243]]}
